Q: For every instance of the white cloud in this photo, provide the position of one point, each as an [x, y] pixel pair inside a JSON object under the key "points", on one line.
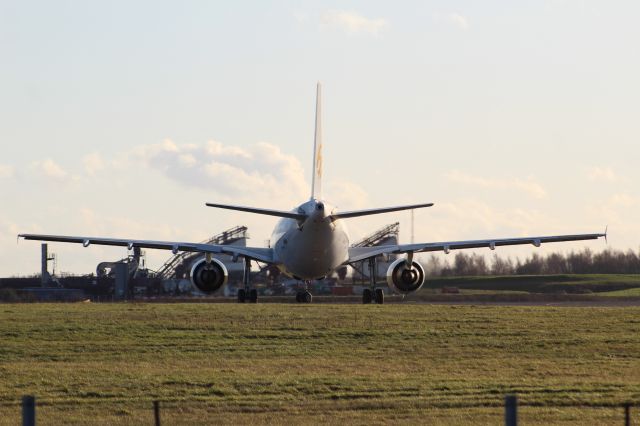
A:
{"points": [[458, 20], [600, 174], [300, 17], [624, 200], [261, 171], [529, 186], [6, 171], [472, 219], [50, 169], [352, 22], [346, 195], [93, 163], [453, 19], [99, 223]]}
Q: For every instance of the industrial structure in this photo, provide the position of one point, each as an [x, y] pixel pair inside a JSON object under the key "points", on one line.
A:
{"points": [[179, 265], [387, 235], [174, 273], [129, 277]]}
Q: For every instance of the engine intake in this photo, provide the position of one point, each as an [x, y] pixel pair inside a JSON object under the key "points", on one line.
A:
{"points": [[208, 277], [402, 279]]}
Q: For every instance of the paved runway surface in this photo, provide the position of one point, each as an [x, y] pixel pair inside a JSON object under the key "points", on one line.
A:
{"points": [[440, 299]]}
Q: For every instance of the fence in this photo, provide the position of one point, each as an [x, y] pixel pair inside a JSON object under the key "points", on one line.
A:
{"points": [[510, 411]]}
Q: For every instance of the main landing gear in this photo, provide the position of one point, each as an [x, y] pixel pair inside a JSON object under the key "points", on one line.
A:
{"points": [[250, 297], [372, 294], [304, 296], [247, 294]]}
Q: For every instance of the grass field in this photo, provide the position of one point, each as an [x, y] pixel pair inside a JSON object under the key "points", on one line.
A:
{"points": [[634, 292], [569, 283], [353, 364]]}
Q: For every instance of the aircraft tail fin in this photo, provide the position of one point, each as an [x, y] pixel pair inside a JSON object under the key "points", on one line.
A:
{"points": [[316, 179]]}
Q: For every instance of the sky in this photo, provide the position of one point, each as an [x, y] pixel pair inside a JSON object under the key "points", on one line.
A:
{"points": [[121, 119]]}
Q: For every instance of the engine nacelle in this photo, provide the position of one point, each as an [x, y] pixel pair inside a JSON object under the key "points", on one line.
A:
{"points": [[402, 279], [208, 277]]}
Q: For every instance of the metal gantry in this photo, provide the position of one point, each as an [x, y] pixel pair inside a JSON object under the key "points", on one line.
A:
{"points": [[168, 269], [385, 235], [380, 236]]}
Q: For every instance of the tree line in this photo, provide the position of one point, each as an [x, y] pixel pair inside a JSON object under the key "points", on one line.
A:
{"points": [[608, 261]]}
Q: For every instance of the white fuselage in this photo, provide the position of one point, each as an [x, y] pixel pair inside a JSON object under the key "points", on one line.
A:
{"points": [[312, 248]]}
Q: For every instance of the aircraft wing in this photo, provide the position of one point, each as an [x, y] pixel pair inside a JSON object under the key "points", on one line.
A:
{"points": [[256, 253], [360, 253]]}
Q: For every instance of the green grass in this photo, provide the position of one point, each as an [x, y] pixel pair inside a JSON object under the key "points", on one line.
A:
{"points": [[635, 292], [570, 283], [354, 364]]}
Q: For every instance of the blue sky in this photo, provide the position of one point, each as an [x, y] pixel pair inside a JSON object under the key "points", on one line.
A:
{"points": [[122, 118]]}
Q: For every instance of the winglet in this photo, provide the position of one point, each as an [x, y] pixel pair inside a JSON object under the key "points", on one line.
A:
{"points": [[316, 178]]}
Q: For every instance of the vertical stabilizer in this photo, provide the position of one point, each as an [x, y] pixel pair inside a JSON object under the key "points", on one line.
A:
{"points": [[316, 179]]}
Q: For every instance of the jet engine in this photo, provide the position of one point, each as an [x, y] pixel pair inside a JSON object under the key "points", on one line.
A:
{"points": [[403, 279], [209, 277]]}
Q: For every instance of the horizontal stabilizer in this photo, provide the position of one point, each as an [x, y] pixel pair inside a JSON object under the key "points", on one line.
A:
{"points": [[279, 213], [356, 213]]}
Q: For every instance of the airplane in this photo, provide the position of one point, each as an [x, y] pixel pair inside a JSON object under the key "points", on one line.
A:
{"points": [[310, 242]]}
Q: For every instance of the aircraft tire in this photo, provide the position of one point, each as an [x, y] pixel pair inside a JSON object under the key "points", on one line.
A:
{"points": [[366, 296], [379, 296], [253, 296], [241, 295]]}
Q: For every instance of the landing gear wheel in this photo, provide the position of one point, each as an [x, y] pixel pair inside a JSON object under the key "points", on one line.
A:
{"points": [[367, 296], [241, 295], [379, 296], [307, 297], [298, 297], [253, 296]]}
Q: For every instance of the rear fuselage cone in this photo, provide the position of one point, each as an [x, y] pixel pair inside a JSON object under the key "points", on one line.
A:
{"points": [[311, 248]]}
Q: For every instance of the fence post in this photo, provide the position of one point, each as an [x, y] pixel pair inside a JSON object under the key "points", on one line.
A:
{"points": [[156, 412], [28, 410], [627, 414], [510, 410]]}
